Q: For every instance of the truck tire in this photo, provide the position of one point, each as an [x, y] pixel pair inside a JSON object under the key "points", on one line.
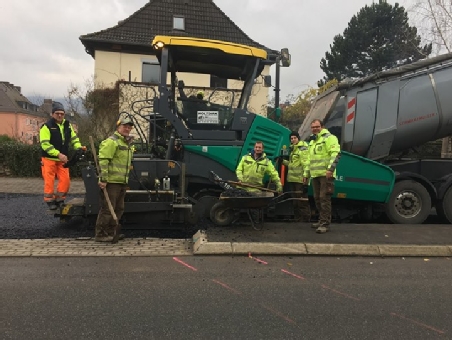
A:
{"points": [[444, 208], [410, 203], [221, 215]]}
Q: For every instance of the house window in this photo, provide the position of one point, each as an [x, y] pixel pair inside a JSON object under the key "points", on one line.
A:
{"points": [[179, 23], [218, 82], [150, 73]]}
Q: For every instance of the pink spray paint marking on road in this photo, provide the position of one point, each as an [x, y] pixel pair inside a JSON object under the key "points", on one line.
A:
{"points": [[340, 293], [224, 285], [418, 323], [256, 259], [185, 264], [292, 274], [279, 314], [275, 312]]}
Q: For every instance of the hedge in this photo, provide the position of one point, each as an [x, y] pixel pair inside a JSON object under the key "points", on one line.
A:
{"points": [[24, 160]]}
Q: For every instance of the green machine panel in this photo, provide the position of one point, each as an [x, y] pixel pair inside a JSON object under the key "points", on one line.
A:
{"points": [[359, 178]]}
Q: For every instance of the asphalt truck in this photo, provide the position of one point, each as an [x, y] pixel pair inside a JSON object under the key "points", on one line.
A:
{"points": [[379, 118]]}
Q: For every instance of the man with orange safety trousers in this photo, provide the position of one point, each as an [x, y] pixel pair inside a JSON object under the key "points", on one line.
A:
{"points": [[55, 137]]}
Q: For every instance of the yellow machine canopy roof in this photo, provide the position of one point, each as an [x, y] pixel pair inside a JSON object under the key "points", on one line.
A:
{"points": [[220, 58]]}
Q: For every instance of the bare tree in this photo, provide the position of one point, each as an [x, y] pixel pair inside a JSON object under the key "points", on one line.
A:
{"points": [[434, 20]]}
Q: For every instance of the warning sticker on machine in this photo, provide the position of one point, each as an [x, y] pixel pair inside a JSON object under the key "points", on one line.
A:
{"points": [[207, 117]]}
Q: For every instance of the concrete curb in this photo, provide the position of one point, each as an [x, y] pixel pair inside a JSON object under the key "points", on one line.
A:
{"points": [[201, 246]]}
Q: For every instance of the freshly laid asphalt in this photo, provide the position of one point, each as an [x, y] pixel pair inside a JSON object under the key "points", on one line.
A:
{"points": [[283, 238]]}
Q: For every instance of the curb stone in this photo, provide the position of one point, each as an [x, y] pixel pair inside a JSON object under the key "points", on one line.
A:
{"points": [[201, 246]]}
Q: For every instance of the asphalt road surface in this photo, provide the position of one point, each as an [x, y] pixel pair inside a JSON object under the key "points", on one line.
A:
{"points": [[27, 216], [226, 298]]}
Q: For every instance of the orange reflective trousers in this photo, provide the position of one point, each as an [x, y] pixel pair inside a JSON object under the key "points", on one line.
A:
{"points": [[51, 170]]}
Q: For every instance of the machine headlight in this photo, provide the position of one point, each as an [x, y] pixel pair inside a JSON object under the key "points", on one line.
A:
{"points": [[158, 45]]}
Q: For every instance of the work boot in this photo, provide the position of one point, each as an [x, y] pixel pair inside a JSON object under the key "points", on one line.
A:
{"points": [[121, 237], [322, 229], [52, 205], [103, 238], [315, 225]]}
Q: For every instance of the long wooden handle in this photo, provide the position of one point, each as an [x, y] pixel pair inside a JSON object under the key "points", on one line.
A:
{"points": [[107, 198]]}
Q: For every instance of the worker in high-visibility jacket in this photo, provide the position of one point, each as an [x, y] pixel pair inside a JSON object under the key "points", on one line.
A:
{"points": [[254, 166], [55, 136], [115, 158], [324, 154], [297, 162]]}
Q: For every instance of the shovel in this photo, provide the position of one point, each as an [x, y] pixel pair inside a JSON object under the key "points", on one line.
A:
{"points": [[247, 185], [107, 198]]}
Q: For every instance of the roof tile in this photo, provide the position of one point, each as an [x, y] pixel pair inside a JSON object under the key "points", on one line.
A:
{"points": [[203, 19]]}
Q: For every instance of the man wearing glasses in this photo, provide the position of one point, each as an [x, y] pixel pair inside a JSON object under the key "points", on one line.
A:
{"points": [[324, 154], [55, 137]]}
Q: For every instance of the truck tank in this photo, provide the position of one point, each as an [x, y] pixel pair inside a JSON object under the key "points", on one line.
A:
{"points": [[382, 116], [391, 111]]}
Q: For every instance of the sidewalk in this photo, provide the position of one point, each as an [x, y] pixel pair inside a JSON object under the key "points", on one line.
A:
{"points": [[294, 238], [33, 185]]}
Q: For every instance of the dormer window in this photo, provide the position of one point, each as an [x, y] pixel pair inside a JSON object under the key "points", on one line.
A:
{"points": [[179, 23]]}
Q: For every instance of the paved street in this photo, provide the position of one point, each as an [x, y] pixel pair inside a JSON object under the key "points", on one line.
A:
{"points": [[27, 229], [226, 297]]}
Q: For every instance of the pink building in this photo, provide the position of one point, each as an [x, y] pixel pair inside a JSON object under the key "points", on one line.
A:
{"points": [[19, 118]]}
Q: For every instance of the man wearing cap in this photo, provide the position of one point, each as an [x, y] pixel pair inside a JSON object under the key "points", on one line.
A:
{"points": [[297, 163], [55, 137], [115, 158]]}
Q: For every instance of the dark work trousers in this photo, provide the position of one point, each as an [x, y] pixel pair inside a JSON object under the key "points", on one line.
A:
{"points": [[105, 224], [302, 210], [322, 198]]}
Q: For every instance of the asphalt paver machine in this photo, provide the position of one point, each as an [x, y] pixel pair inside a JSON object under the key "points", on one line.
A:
{"points": [[182, 139]]}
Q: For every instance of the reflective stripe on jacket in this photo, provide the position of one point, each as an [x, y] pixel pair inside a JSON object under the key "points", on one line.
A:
{"points": [[115, 158], [252, 171], [55, 138], [298, 160], [324, 154]]}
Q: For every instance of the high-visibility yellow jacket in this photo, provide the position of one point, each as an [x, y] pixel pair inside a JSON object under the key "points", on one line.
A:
{"points": [[298, 161], [115, 158], [324, 154], [252, 171], [55, 138]]}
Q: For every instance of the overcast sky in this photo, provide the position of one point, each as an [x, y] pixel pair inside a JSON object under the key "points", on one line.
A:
{"points": [[40, 48]]}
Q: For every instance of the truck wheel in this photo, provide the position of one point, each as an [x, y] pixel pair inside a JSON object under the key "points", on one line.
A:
{"points": [[221, 215], [410, 203], [444, 208]]}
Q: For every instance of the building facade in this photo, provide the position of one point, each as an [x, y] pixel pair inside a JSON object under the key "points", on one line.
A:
{"points": [[124, 52], [20, 119]]}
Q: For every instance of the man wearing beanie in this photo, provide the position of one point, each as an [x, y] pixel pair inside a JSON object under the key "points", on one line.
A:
{"points": [[298, 161], [55, 137]]}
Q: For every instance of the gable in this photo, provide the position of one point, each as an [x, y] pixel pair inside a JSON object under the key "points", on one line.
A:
{"points": [[203, 19]]}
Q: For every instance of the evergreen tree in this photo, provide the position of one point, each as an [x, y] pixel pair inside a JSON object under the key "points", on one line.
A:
{"points": [[376, 39]]}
